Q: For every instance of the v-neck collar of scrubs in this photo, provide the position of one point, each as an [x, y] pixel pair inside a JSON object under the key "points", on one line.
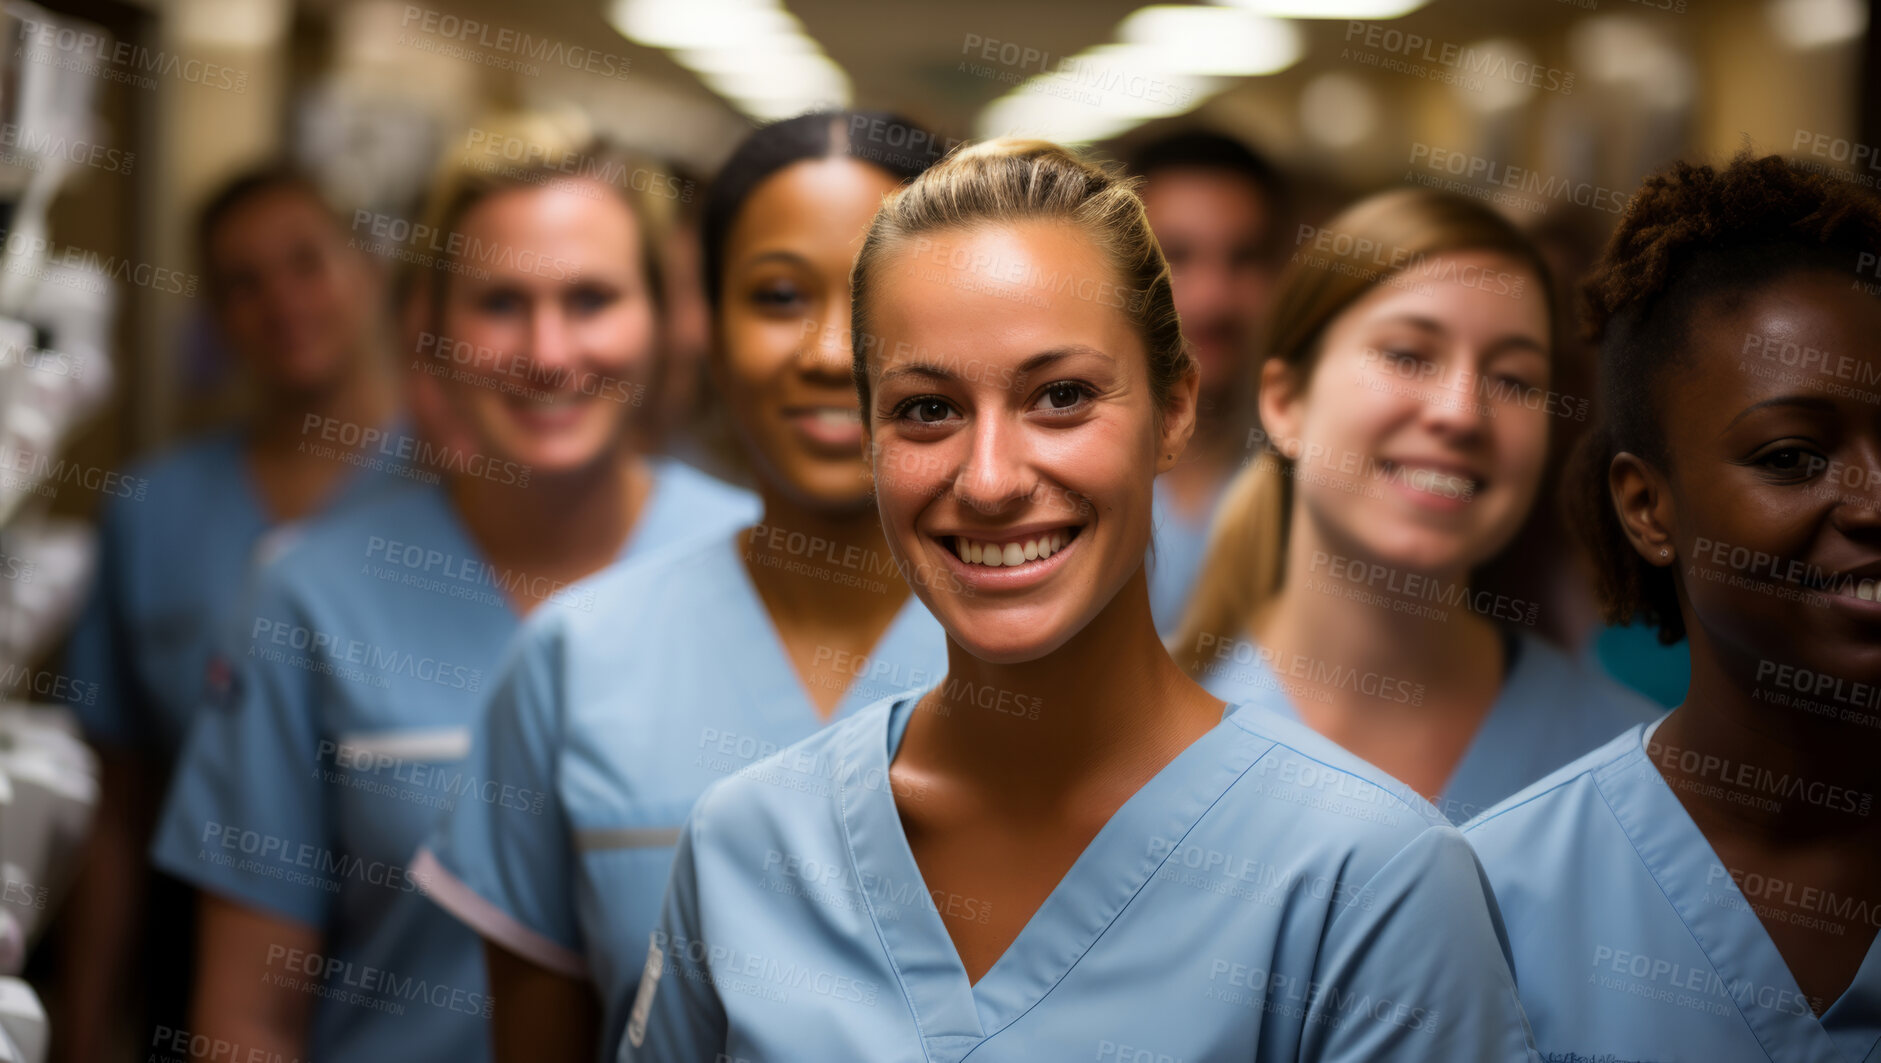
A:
{"points": [[774, 680], [1732, 937], [953, 1014]]}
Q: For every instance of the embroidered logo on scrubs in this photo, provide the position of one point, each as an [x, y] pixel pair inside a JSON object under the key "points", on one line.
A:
{"points": [[220, 682], [643, 1001]]}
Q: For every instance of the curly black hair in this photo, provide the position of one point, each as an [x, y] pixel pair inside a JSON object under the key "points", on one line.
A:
{"points": [[1692, 238]]}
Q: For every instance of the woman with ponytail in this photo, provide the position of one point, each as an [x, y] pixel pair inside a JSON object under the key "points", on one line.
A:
{"points": [[1065, 849], [1405, 405]]}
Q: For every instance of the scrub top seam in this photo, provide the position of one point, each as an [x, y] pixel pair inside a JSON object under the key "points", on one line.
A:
{"points": [[1275, 743], [1125, 906], [1590, 773], [875, 922], [1673, 905]]}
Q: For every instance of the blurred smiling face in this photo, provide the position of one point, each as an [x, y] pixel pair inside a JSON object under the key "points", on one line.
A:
{"points": [[1014, 444], [1423, 432], [784, 327], [291, 299], [552, 325], [1212, 225]]}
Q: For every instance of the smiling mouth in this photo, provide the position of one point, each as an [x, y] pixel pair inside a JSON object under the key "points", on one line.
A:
{"points": [[1866, 589], [1011, 553], [1432, 481]]}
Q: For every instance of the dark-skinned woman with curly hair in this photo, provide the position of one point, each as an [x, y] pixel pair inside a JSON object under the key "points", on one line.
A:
{"points": [[1708, 887]]}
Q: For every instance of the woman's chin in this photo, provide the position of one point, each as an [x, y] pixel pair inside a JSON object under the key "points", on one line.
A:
{"points": [[557, 453], [1010, 636]]}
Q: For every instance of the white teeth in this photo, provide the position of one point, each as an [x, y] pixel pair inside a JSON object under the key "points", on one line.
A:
{"points": [[1000, 555], [1443, 483], [1865, 591], [838, 417]]}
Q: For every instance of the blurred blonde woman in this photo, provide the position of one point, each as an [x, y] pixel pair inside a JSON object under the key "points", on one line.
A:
{"points": [[360, 664]]}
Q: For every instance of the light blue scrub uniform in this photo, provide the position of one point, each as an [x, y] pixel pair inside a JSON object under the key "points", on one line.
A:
{"points": [[337, 741], [620, 718], [1265, 896], [1174, 562], [1633, 942], [1550, 711], [174, 555]]}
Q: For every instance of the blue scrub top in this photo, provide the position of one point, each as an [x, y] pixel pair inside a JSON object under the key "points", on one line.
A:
{"points": [[334, 741], [1265, 896], [1550, 710], [1633, 941], [1174, 562], [173, 565], [619, 719]]}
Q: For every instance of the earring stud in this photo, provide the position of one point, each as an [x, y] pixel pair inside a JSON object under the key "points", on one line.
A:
{"points": [[1663, 552]]}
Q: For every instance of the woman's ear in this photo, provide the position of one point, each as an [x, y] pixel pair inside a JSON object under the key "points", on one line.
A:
{"points": [[1643, 499], [1178, 417], [1280, 403]]}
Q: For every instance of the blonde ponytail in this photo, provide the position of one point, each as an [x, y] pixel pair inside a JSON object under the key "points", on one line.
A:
{"points": [[1246, 551]]}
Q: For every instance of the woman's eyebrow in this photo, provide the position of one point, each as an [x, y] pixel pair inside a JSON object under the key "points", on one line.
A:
{"points": [[943, 369], [779, 255], [1808, 402], [1518, 343]]}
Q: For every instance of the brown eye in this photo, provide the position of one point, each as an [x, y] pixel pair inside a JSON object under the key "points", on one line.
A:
{"points": [[928, 411], [1063, 395]]}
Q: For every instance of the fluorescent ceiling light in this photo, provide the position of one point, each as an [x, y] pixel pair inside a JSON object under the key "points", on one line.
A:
{"points": [[1213, 40], [791, 76], [1050, 117], [771, 54], [1807, 24], [1338, 110], [1330, 8], [752, 52], [701, 23]]}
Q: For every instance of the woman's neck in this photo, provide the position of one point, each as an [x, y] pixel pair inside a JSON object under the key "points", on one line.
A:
{"points": [[554, 529], [284, 419], [1336, 608], [1370, 663], [817, 566], [1750, 761], [1108, 705]]}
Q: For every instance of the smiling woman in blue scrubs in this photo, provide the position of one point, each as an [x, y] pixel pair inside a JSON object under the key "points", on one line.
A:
{"points": [[622, 716], [1063, 849], [1406, 406], [1709, 887], [363, 657], [295, 307]]}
